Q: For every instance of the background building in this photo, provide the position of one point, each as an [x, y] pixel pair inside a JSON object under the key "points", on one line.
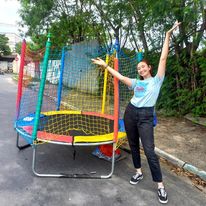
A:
{"points": [[10, 63], [9, 30]]}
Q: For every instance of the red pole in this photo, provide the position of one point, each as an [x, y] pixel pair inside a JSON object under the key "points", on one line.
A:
{"points": [[116, 101], [20, 79]]}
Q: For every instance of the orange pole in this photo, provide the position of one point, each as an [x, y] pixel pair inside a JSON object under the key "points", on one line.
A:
{"points": [[116, 101]]}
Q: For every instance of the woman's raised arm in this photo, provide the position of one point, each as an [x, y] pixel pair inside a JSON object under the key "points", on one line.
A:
{"points": [[165, 51]]}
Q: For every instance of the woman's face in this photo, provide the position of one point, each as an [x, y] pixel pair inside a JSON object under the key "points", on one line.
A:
{"points": [[143, 70]]}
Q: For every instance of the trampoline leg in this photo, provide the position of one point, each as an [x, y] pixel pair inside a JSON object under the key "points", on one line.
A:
{"points": [[112, 165], [34, 166], [20, 147], [64, 175]]}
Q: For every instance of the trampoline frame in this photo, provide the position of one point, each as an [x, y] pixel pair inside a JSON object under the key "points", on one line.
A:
{"points": [[89, 175]]}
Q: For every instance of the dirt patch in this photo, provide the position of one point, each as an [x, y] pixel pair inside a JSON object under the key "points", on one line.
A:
{"points": [[183, 139]]}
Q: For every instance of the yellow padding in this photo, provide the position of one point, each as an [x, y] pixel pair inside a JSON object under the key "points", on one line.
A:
{"points": [[61, 112], [99, 138]]}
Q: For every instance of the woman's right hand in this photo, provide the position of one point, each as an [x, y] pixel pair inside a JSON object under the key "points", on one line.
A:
{"points": [[100, 62], [113, 72]]}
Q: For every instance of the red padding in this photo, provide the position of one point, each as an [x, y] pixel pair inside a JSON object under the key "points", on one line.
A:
{"points": [[49, 136]]}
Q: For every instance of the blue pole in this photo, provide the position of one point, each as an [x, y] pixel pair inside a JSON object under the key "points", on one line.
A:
{"points": [[60, 79], [139, 56], [117, 47]]}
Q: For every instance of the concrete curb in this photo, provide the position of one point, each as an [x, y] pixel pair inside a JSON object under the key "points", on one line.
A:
{"points": [[177, 162], [197, 120], [184, 165]]}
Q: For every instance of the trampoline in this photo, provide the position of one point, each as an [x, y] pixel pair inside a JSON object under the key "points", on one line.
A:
{"points": [[63, 99]]}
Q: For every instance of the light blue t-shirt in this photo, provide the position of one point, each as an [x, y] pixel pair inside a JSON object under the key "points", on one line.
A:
{"points": [[146, 91]]}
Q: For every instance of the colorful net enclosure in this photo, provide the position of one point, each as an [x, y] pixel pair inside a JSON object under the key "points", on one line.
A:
{"points": [[65, 99]]}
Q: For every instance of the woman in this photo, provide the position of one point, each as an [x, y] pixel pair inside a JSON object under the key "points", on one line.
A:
{"points": [[138, 117]]}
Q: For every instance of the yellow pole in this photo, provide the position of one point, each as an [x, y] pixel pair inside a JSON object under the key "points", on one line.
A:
{"points": [[105, 85]]}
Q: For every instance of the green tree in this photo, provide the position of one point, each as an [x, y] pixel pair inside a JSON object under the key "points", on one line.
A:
{"points": [[4, 48], [67, 21], [18, 47]]}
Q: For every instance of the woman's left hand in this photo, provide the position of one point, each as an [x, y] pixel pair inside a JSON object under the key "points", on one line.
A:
{"points": [[175, 26]]}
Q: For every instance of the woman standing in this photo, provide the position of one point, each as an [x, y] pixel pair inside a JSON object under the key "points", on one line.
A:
{"points": [[138, 117]]}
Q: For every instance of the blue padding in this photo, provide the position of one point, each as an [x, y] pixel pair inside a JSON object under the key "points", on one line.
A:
{"points": [[122, 128], [121, 125], [27, 137], [154, 120], [27, 121]]}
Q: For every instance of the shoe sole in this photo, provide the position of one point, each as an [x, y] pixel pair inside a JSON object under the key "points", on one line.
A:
{"points": [[134, 183], [163, 202]]}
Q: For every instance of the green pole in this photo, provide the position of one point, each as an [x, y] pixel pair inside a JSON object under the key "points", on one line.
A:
{"points": [[41, 89]]}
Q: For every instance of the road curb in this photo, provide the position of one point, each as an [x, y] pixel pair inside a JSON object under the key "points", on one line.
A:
{"points": [[184, 165], [175, 161]]}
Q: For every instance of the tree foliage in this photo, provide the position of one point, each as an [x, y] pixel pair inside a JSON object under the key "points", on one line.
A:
{"points": [[67, 20], [4, 47], [18, 47]]}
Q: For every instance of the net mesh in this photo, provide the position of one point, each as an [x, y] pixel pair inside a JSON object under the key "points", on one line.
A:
{"points": [[76, 100]]}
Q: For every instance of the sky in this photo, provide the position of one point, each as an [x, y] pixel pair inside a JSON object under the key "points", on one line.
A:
{"points": [[9, 15]]}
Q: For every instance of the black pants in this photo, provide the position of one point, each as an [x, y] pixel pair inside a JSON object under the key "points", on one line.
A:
{"points": [[139, 124]]}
